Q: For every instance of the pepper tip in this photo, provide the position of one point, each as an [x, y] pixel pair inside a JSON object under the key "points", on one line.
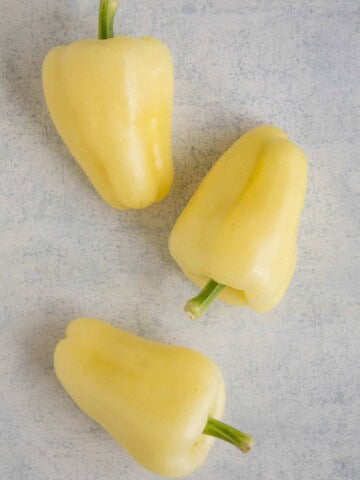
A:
{"points": [[189, 310], [247, 447]]}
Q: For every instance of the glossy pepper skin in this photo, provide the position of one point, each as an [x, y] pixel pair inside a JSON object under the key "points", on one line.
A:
{"points": [[154, 399], [111, 102], [240, 227]]}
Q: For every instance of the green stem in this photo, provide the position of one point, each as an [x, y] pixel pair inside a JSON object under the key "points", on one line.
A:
{"points": [[242, 441], [197, 305], [107, 11]]}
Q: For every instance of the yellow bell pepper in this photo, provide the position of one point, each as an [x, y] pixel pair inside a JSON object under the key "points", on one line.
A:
{"points": [[111, 102], [237, 235], [161, 403]]}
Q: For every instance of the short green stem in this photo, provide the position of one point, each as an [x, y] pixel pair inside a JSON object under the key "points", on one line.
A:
{"points": [[197, 305], [242, 441], [107, 11]]}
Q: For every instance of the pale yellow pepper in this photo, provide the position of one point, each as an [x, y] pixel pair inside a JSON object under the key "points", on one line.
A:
{"points": [[238, 234], [160, 402], [111, 102]]}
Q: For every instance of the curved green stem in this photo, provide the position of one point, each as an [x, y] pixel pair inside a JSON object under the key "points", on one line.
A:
{"points": [[242, 441], [197, 305], [107, 11]]}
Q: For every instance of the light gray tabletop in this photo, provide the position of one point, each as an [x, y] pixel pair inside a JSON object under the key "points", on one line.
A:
{"points": [[292, 375]]}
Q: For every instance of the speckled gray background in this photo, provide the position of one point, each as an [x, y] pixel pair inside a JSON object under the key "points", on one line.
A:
{"points": [[292, 375]]}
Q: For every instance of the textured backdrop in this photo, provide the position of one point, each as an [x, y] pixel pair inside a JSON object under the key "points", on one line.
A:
{"points": [[292, 375]]}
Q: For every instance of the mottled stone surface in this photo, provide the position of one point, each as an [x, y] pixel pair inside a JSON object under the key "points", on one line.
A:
{"points": [[292, 375]]}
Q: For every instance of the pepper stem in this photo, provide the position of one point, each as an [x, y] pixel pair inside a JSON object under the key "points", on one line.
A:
{"points": [[107, 11], [242, 441], [197, 305]]}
